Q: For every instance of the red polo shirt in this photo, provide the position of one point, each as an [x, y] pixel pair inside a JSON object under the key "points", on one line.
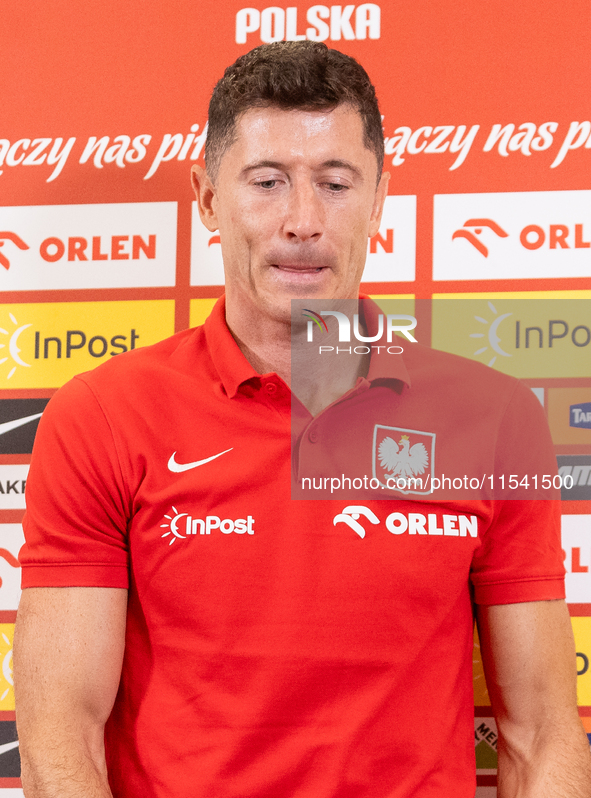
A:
{"points": [[272, 651]]}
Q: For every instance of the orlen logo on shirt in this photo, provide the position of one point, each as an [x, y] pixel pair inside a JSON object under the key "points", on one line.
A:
{"points": [[390, 253], [46, 344], [274, 24], [114, 245], [529, 235]]}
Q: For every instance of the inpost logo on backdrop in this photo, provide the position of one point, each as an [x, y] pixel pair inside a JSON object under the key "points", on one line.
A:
{"points": [[118, 245], [528, 338], [506, 236], [317, 23], [391, 253], [44, 345]]}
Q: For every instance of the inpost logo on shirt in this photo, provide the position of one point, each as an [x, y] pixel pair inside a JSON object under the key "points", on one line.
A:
{"points": [[391, 253], [44, 345], [6, 681], [117, 245], [540, 335], [509, 235], [180, 525]]}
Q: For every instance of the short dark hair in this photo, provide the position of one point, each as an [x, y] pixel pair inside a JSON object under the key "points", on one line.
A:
{"points": [[302, 75]]}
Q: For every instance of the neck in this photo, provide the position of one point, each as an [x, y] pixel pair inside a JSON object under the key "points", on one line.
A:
{"points": [[317, 380]]}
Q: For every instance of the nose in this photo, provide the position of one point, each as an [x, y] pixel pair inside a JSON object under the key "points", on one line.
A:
{"points": [[304, 217]]}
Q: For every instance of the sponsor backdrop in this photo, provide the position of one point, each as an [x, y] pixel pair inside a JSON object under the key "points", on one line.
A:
{"points": [[488, 140]]}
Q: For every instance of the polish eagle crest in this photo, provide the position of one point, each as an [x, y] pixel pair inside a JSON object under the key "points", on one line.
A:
{"points": [[402, 459]]}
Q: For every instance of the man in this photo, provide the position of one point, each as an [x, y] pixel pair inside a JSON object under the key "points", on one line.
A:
{"points": [[187, 628]]}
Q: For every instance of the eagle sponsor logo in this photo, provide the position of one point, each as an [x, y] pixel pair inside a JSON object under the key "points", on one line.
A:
{"points": [[114, 245], [512, 235], [404, 459], [434, 524]]}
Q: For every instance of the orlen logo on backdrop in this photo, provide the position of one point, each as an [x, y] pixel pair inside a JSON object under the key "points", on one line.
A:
{"points": [[514, 235], [276, 24], [531, 237], [88, 246], [391, 253]]}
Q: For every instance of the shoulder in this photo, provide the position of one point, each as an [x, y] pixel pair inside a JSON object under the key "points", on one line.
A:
{"points": [[434, 367], [126, 379], [146, 363]]}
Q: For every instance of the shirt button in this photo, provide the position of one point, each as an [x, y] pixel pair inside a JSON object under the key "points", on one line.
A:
{"points": [[313, 435], [271, 388]]}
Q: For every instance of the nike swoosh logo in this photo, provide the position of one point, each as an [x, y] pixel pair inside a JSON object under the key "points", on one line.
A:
{"points": [[8, 747], [180, 467], [17, 422]]}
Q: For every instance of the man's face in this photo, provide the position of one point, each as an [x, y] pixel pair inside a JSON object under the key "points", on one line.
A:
{"points": [[295, 200]]}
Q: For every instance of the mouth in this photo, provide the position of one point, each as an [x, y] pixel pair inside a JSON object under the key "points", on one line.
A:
{"points": [[298, 268]]}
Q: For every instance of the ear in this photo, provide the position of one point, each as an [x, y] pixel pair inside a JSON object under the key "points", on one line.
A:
{"points": [[206, 197], [378, 205]]}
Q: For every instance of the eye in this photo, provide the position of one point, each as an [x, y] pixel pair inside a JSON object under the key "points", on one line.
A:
{"points": [[336, 188], [266, 184]]}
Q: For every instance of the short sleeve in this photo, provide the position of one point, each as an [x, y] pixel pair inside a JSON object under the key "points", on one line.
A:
{"points": [[521, 557], [77, 509]]}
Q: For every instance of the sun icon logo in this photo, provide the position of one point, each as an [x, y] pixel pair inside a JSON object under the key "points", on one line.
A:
{"points": [[491, 335], [172, 523], [6, 664], [13, 347]]}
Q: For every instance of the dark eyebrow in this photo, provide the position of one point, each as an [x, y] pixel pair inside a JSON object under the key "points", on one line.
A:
{"points": [[332, 164], [337, 164]]}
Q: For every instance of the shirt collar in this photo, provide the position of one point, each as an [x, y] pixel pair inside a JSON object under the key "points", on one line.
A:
{"points": [[383, 365], [234, 369]]}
